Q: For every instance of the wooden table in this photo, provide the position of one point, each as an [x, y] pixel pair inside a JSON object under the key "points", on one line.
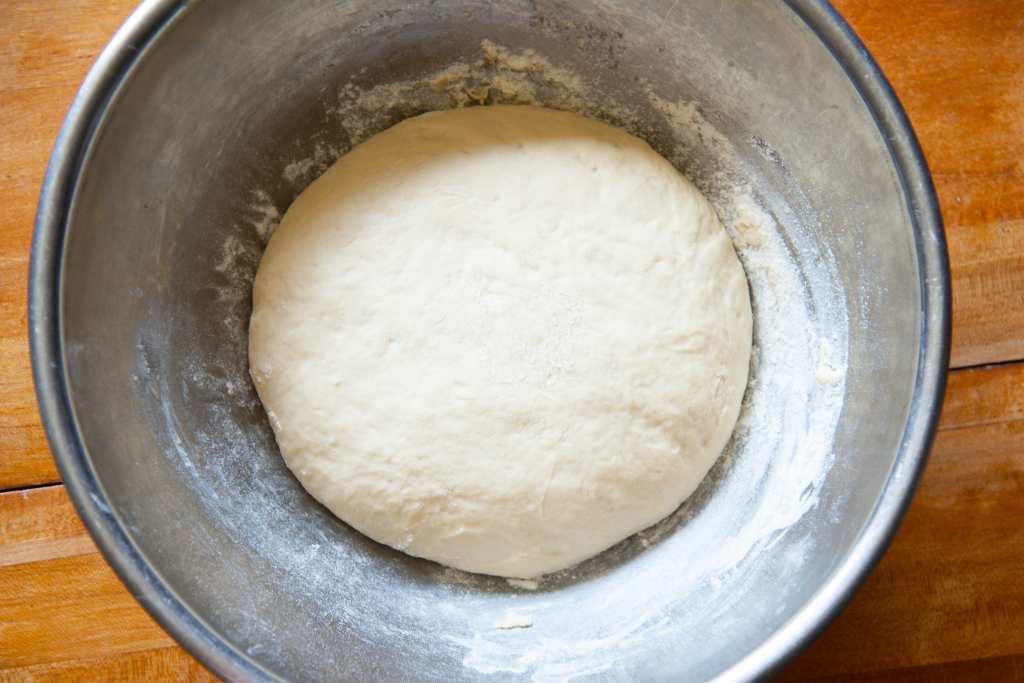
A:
{"points": [[947, 601]]}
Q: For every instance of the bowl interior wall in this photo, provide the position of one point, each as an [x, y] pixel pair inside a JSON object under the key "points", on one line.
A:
{"points": [[237, 106]]}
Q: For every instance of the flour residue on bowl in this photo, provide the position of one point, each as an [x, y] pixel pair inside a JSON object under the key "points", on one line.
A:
{"points": [[765, 483]]}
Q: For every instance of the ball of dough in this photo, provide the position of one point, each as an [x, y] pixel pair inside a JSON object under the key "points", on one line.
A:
{"points": [[501, 338]]}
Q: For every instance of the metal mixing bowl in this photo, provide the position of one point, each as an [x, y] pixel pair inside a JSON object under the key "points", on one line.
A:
{"points": [[203, 120]]}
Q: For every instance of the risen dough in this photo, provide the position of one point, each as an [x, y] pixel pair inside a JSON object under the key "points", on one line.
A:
{"points": [[501, 338]]}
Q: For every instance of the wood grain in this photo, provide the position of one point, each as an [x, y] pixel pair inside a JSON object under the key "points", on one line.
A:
{"points": [[958, 68], [945, 603], [40, 524], [60, 603], [170, 664], [67, 609], [996, 670]]}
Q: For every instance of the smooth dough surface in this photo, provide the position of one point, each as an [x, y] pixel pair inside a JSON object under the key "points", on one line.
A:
{"points": [[501, 338]]}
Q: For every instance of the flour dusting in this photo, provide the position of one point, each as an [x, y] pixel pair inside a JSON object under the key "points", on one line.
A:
{"points": [[586, 620], [513, 619]]}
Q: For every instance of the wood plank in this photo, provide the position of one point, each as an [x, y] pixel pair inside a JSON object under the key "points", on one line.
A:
{"points": [[40, 524], [983, 396], [165, 664], [64, 616], [45, 51], [69, 609], [949, 589], [958, 68], [25, 458], [995, 670], [59, 601]]}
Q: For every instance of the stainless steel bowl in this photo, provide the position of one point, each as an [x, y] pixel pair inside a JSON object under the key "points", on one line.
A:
{"points": [[199, 124]]}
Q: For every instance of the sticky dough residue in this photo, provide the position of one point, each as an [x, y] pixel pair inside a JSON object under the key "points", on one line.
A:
{"points": [[769, 477]]}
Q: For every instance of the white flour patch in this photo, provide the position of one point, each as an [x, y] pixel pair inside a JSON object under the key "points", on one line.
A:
{"points": [[265, 216], [513, 619]]}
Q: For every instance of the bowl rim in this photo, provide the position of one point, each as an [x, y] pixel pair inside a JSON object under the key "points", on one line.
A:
{"points": [[70, 150]]}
